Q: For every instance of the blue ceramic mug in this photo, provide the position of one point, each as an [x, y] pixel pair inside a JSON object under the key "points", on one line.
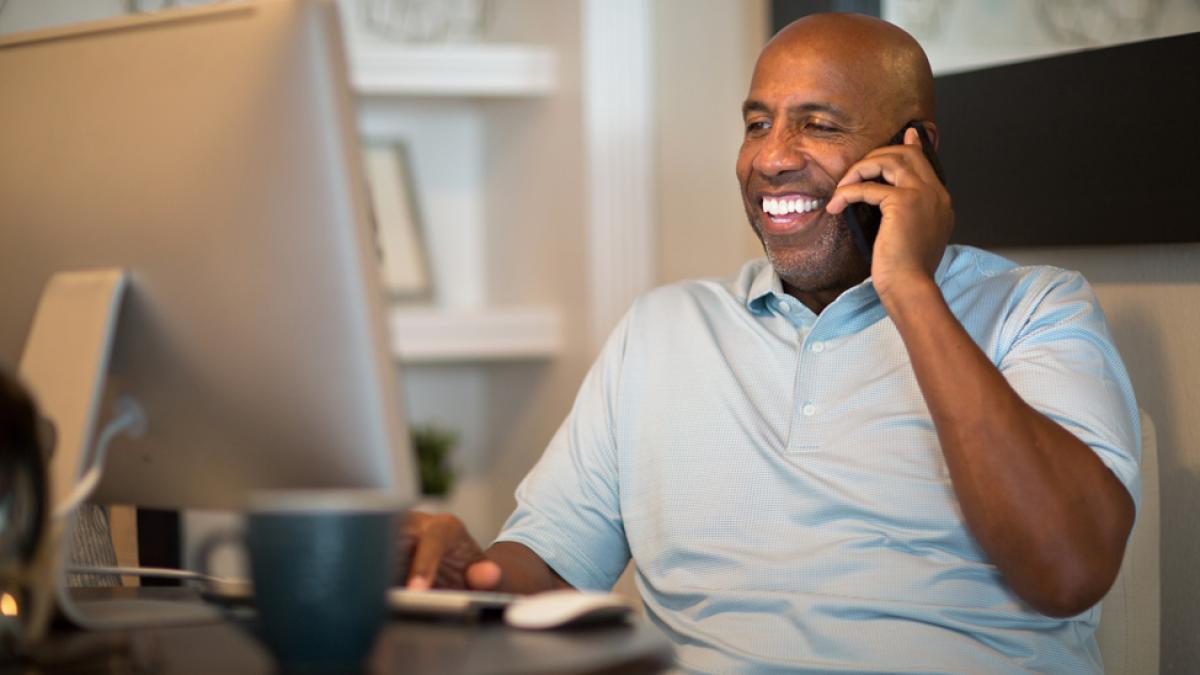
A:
{"points": [[321, 564]]}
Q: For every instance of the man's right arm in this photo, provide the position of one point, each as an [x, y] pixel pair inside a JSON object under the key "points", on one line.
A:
{"points": [[445, 556], [568, 508], [521, 570]]}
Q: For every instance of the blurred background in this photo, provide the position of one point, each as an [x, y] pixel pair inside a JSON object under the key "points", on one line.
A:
{"points": [[562, 156]]}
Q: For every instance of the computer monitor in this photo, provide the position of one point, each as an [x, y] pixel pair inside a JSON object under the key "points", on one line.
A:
{"points": [[212, 154]]}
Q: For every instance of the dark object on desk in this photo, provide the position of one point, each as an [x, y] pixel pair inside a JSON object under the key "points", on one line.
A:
{"points": [[22, 475], [23, 504], [24, 455], [1087, 148]]}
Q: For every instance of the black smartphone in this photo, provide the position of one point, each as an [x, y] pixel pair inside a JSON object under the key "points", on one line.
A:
{"points": [[863, 219]]}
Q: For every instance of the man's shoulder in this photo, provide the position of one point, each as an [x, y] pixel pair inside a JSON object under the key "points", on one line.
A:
{"points": [[983, 288], [705, 292], [968, 267]]}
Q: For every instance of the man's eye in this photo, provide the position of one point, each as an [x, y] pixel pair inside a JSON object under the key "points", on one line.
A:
{"points": [[757, 126], [822, 128]]}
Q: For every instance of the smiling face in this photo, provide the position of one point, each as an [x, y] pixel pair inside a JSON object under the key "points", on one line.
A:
{"points": [[826, 90]]}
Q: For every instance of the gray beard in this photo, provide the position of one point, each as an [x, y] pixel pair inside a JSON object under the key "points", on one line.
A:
{"points": [[834, 263]]}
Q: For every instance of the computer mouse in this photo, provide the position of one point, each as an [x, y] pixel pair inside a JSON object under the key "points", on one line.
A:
{"points": [[555, 609]]}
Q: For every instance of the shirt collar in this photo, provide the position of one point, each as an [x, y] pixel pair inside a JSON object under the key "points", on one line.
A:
{"points": [[766, 286], [766, 289]]}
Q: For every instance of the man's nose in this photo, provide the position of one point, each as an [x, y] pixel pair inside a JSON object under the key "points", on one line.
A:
{"points": [[782, 151]]}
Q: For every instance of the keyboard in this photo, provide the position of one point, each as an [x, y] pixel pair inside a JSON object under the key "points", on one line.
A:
{"points": [[448, 604]]}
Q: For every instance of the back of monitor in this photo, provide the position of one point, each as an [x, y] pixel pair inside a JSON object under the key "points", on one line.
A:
{"points": [[211, 154]]}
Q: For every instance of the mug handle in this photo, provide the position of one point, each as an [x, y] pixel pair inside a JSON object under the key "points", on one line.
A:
{"points": [[221, 588]]}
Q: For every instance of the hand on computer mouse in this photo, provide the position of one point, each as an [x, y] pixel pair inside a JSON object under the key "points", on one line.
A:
{"points": [[441, 554]]}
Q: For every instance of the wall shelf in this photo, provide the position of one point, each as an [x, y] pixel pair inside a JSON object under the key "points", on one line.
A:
{"points": [[476, 70], [439, 335]]}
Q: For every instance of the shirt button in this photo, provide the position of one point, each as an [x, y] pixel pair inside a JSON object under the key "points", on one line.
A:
{"points": [[818, 347], [808, 409], [784, 307]]}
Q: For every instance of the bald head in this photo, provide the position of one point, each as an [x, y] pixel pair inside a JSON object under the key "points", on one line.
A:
{"points": [[880, 62], [826, 90]]}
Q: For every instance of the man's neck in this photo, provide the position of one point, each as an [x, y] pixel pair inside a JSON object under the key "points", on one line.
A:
{"points": [[852, 270], [816, 300]]}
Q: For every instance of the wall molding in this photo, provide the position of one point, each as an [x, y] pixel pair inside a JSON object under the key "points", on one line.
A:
{"points": [[618, 133]]}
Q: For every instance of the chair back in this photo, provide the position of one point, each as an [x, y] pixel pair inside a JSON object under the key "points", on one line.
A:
{"points": [[1128, 633]]}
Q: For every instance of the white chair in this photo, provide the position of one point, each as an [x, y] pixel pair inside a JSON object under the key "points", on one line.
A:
{"points": [[1129, 621]]}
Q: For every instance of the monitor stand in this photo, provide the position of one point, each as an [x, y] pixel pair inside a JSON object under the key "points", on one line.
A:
{"points": [[64, 365]]}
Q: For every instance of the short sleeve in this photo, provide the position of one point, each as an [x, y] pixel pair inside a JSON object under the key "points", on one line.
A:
{"points": [[1062, 361], [568, 507]]}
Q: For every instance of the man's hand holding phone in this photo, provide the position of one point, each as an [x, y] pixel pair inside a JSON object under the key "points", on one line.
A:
{"points": [[916, 213]]}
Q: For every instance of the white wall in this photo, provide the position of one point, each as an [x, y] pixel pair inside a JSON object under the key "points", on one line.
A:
{"points": [[22, 15], [533, 167], [704, 53]]}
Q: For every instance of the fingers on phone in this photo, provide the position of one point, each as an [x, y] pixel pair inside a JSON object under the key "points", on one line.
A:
{"points": [[902, 166], [886, 164], [867, 192]]}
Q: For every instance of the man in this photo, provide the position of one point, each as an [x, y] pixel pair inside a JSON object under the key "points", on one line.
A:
{"points": [[930, 469]]}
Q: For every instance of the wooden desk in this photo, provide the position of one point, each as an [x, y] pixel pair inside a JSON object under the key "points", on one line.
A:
{"points": [[404, 646]]}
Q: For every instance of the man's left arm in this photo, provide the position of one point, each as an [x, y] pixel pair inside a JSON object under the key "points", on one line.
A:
{"points": [[1048, 512]]}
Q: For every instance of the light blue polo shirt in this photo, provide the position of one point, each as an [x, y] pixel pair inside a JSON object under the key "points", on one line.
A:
{"points": [[777, 478]]}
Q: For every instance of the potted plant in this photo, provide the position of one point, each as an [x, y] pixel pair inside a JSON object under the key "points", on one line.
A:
{"points": [[433, 445]]}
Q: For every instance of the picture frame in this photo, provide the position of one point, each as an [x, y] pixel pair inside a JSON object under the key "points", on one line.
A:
{"points": [[399, 230]]}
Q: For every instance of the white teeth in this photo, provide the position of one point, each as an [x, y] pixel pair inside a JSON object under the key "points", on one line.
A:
{"points": [[782, 207]]}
